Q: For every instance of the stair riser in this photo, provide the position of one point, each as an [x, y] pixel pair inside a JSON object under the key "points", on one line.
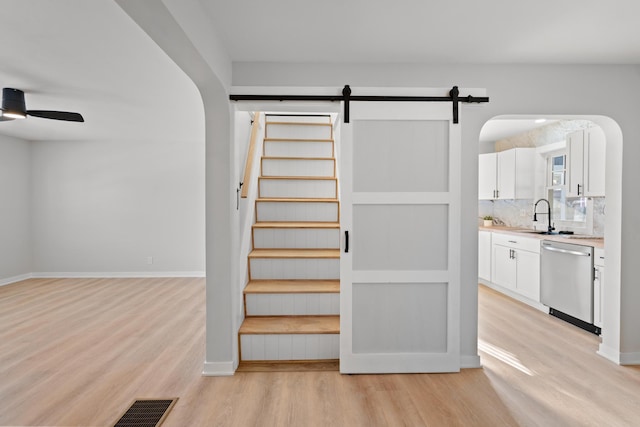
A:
{"points": [[297, 167], [290, 347], [281, 268], [319, 189], [298, 149], [297, 119], [298, 131], [298, 238], [297, 211], [292, 304]]}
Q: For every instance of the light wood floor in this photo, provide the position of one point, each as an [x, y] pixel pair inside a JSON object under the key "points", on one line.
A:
{"points": [[76, 352]]}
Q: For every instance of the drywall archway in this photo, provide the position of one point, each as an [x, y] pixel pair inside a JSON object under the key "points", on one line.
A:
{"points": [[614, 319], [211, 75]]}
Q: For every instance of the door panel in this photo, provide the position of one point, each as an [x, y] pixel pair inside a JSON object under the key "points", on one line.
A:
{"points": [[400, 172]]}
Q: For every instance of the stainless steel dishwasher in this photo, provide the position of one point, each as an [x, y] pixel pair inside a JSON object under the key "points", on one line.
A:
{"points": [[566, 282]]}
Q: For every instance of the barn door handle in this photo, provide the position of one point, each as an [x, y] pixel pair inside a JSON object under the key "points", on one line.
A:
{"points": [[346, 241]]}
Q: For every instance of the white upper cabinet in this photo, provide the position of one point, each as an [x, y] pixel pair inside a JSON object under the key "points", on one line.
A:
{"points": [[487, 176], [586, 160], [506, 175]]}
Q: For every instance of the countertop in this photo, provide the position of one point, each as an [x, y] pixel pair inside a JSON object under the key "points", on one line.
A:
{"points": [[597, 242]]}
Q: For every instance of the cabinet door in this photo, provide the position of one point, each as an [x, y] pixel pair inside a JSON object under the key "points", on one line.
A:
{"points": [[598, 288], [487, 170], [575, 161], [484, 255], [594, 162], [507, 174], [528, 274], [504, 266]]}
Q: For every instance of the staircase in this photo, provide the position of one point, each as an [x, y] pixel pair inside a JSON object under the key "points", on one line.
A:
{"points": [[292, 298]]}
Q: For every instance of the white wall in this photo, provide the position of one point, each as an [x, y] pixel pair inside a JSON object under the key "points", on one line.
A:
{"points": [[15, 209], [105, 206], [518, 89]]}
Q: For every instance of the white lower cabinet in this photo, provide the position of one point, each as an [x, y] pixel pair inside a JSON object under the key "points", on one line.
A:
{"points": [[516, 264], [598, 286], [528, 274]]}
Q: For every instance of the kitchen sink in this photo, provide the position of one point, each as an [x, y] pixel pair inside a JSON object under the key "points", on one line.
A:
{"points": [[537, 232]]}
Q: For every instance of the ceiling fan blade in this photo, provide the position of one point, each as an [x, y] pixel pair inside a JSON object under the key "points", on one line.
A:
{"points": [[56, 115]]}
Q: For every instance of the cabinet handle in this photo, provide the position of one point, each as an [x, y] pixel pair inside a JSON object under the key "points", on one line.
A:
{"points": [[579, 189], [513, 241]]}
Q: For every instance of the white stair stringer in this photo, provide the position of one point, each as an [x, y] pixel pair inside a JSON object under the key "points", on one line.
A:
{"points": [[292, 299]]}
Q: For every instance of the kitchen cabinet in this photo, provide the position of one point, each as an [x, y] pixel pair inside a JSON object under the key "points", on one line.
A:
{"points": [[586, 151], [516, 264], [598, 286], [484, 255], [506, 175]]}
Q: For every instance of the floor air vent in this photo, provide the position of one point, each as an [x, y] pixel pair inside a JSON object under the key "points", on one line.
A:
{"points": [[146, 413]]}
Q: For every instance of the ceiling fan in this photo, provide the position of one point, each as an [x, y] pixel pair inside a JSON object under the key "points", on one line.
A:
{"points": [[14, 107]]}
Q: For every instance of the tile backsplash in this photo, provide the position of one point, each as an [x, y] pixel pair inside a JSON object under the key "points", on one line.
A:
{"points": [[519, 213]]}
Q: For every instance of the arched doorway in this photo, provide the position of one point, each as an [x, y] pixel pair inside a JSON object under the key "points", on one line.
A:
{"points": [[612, 221]]}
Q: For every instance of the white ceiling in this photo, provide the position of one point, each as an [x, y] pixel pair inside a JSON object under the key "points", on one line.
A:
{"points": [[497, 129], [89, 56], [454, 31]]}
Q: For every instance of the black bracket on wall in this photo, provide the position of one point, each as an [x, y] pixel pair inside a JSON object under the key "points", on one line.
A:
{"points": [[346, 97]]}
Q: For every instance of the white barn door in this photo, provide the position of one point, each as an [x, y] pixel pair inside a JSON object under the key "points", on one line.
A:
{"points": [[400, 205]]}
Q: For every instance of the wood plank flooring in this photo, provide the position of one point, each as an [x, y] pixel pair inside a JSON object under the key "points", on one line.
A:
{"points": [[75, 352]]}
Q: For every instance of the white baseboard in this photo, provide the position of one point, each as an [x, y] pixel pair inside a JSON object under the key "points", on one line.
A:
{"points": [[218, 369], [117, 274], [14, 279], [630, 358], [609, 353], [617, 357], [508, 292], [470, 362]]}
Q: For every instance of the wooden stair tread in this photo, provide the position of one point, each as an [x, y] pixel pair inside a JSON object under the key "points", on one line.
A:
{"points": [[301, 177], [300, 123], [292, 286], [298, 139], [294, 253], [298, 158], [295, 224], [297, 199], [291, 325]]}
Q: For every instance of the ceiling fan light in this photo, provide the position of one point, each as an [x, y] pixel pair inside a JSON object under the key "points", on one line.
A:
{"points": [[14, 114]]}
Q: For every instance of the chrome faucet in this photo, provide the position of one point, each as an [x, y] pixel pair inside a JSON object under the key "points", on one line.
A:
{"points": [[548, 214]]}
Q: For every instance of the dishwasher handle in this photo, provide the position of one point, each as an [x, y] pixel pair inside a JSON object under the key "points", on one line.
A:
{"points": [[565, 251]]}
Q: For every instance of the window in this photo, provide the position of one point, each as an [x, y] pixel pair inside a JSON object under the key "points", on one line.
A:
{"points": [[567, 213], [558, 170]]}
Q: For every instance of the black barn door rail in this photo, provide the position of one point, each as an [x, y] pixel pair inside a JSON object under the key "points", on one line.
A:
{"points": [[454, 97]]}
